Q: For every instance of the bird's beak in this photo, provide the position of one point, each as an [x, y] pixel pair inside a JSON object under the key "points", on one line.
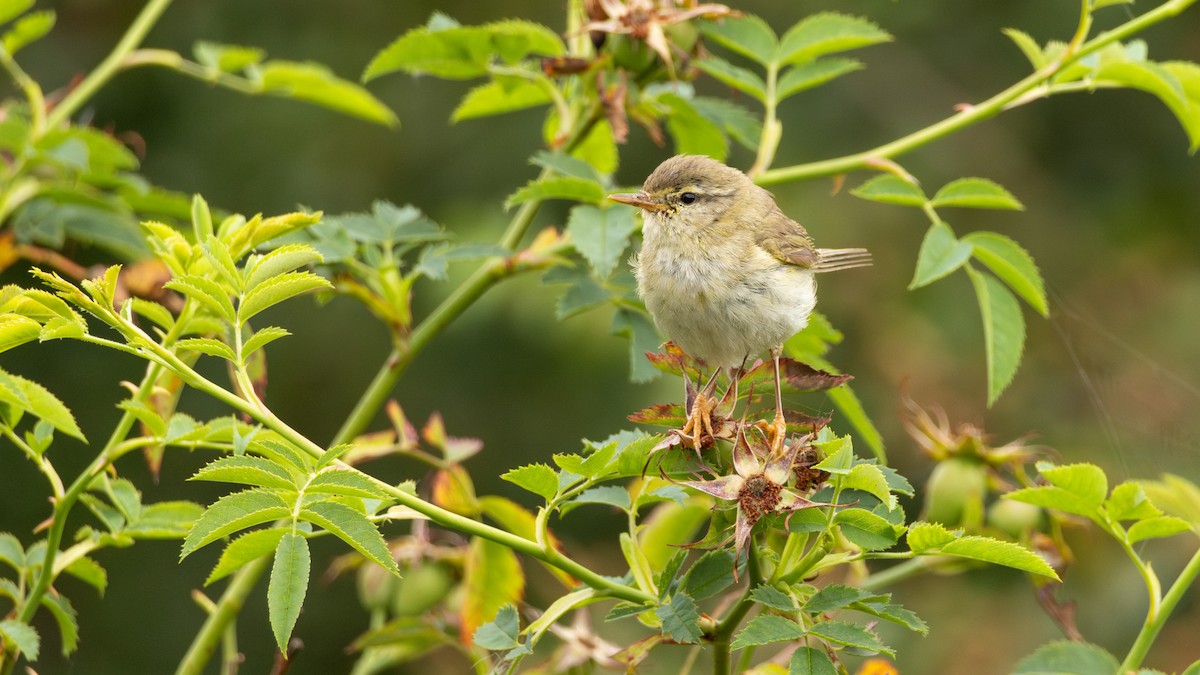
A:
{"points": [[640, 200]]}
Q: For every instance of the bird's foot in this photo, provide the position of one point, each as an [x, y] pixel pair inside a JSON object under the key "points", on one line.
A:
{"points": [[776, 432], [698, 431]]}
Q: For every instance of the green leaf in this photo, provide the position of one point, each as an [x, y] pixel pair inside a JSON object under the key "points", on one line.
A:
{"points": [[924, 536], [276, 290], [810, 661], [500, 633], [205, 291], [165, 520], [492, 578], [1067, 658], [741, 125], [11, 9], [1177, 496], [850, 635], [64, 615], [1003, 331], [11, 551], [583, 293], [836, 596], [765, 629], [643, 337], [246, 548], [352, 527], [227, 58], [1128, 501], [1074, 488], [260, 339], [813, 74], [772, 597], [22, 636], [558, 187], [601, 235], [1162, 82], [996, 552], [217, 255], [16, 330], [463, 52], [208, 346], [565, 165], [28, 29], [694, 134], [246, 470], [314, 83], [1159, 526], [866, 529], [709, 575], [680, 618], [979, 193], [288, 586], [839, 457], [739, 78], [497, 97], [1188, 76], [35, 399], [286, 258], [852, 411], [894, 613], [339, 481], [747, 35], [89, 572], [825, 33], [235, 512], [941, 253], [536, 478], [1013, 264], [1028, 46], [890, 189]]}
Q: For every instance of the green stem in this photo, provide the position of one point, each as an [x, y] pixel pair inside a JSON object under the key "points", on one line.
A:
{"points": [[174, 61], [109, 66], [213, 631], [772, 130], [973, 114], [895, 573], [1155, 620], [726, 627], [33, 92]]}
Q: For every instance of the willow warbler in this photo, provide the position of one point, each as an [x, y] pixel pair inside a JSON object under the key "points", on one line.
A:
{"points": [[725, 274]]}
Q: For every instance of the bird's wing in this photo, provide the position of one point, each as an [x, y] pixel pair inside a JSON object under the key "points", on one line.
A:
{"points": [[787, 240]]}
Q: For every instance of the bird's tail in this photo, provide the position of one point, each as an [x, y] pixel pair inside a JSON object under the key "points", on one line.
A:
{"points": [[834, 259]]}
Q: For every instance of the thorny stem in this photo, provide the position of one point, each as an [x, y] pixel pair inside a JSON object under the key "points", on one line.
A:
{"points": [[1075, 51], [725, 628], [226, 610], [110, 65], [1157, 617]]}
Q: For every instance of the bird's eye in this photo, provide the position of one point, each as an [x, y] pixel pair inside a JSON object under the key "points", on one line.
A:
{"points": [[687, 197]]}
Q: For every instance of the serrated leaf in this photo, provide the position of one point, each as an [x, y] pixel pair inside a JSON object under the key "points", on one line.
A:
{"points": [[643, 337], [693, 133], [246, 470], [680, 619], [601, 235], [64, 615], [1175, 495], [866, 529], [1128, 501], [277, 289], [924, 536], [11, 551], [345, 482], [286, 258], [825, 33], [352, 527], [496, 98], [35, 399], [288, 586], [235, 512], [814, 74], [894, 613], [558, 187], [1074, 488], [611, 495], [741, 125], [22, 636], [765, 629], [941, 253], [870, 478], [90, 572], [890, 189], [165, 520], [154, 312], [810, 661], [209, 346], [261, 338], [1159, 526], [747, 35], [1013, 264], [246, 548], [463, 52], [1188, 76], [1028, 46], [979, 193], [770, 596], [839, 456], [28, 29], [584, 292], [226, 58], [492, 578], [16, 330], [996, 552], [500, 633], [565, 165], [737, 77], [316, 84], [217, 255], [709, 575], [1003, 331], [205, 291], [1162, 82], [836, 596], [850, 635], [1067, 658], [536, 478]]}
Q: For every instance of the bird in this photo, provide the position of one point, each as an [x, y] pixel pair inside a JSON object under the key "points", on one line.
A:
{"points": [[725, 274]]}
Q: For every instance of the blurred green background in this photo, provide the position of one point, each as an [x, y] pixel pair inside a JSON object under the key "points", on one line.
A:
{"points": [[1113, 220]]}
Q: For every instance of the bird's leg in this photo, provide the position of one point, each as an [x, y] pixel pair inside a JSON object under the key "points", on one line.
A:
{"points": [[779, 425], [700, 409]]}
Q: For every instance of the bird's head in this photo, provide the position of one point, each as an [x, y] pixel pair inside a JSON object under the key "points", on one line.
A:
{"points": [[691, 189]]}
